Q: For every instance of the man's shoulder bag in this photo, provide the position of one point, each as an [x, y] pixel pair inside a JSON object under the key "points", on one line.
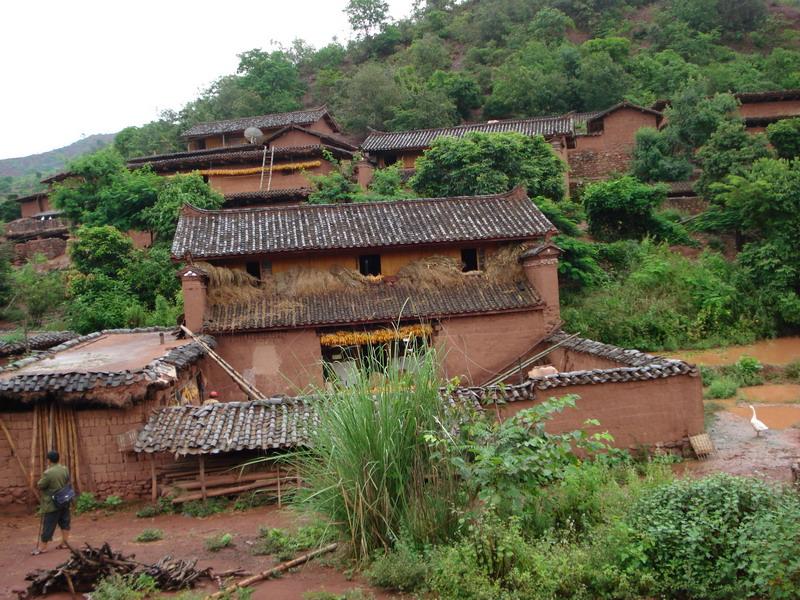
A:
{"points": [[64, 496]]}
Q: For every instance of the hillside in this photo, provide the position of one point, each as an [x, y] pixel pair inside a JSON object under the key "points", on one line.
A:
{"points": [[462, 61], [53, 160]]}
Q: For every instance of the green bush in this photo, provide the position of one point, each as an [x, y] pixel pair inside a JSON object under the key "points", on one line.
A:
{"points": [[199, 508], [353, 594], [112, 502], [125, 587], [286, 545], [722, 388], [164, 506], [747, 371], [150, 535], [86, 502], [719, 537], [792, 370], [217, 542], [402, 568]]}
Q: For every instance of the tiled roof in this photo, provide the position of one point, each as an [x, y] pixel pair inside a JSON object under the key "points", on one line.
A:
{"points": [[634, 366], [372, 303], [29, 197], [230, 155], [39, 341], [266, 197], [271, 121], [509, 216], [87, 386], [228, 426], [382, 141]]}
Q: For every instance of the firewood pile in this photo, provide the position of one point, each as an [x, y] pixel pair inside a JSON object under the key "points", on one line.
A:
{"points": [[87, 566]]}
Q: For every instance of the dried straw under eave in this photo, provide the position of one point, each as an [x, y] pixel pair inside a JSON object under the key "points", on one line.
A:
{"points": [[232, 286]]}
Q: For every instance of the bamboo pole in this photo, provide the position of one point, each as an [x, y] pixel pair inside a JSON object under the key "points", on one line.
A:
{"points": [[15, 454], [34, 435], [528, 362], [153, 479], [271, 572], [203, 477]]}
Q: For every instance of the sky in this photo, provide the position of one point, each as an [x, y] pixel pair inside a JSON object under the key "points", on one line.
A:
{"points": [[71, 69]]}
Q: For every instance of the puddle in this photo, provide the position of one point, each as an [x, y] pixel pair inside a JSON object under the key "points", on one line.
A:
{"points": [[775, 417], [780, 351], [780, 393]]}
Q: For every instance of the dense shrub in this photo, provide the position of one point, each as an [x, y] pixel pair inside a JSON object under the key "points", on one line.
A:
{"points": [[785, 137], [719, 537], [402, 568], [285, 545]]}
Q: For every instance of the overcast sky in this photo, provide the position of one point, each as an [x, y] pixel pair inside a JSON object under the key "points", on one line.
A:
{"points": [[76, 68]]}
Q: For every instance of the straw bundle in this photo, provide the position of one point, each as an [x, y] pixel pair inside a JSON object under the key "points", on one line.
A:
{"points": [[431, 273], [256, 170], [502, 265]]}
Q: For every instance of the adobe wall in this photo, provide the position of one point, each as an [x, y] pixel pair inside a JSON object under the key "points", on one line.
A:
{"points": [[778, 108], [597, 156], [34, 207], [140, 239], [281, 180], [283, 362], [50, 247], [294, 137], [477, 348], [661, 412], [320, 125], [104, 469]]}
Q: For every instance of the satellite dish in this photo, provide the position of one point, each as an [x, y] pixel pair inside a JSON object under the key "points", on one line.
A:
{"points": [[253, 134]]}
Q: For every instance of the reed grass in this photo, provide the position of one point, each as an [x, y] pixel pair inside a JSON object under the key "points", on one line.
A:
{"points": [[369, 469]]}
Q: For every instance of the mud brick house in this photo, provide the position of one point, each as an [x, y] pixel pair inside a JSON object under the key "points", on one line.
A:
{"points": [[88, 397], [475, 276], [40, 229], [273, 169], [604, 141], [641, 399], [387, 148], [760, 109]]}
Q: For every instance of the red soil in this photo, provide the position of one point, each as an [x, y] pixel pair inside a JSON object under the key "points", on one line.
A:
{"points": [[184, 537]]}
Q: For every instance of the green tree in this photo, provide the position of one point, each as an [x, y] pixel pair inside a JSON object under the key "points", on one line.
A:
{"points": [[101, 249], [162, 217], [366, 15], [273, 77], [623, 208], [422, 108], [693, 116], [653, 159], [550, 25], [35, 293], [462, 90], [601, 82], [370, 98], [729, 151], [98, 302], [157, 137], [481, 163], [785, 137]]}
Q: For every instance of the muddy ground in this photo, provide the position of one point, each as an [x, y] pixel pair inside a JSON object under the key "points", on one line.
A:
{"points": [[184, 537]]}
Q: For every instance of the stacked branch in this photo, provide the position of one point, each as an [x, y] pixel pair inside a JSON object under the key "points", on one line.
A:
{"points": [[274, 483], [86, 567]]}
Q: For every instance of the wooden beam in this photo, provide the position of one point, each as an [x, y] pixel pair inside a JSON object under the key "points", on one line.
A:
{"points": [[22, 468], [153, 480], [203, 477]]}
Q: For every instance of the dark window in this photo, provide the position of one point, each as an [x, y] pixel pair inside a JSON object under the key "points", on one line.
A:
{"points": [[200, 144], [254, 269], [389, 159], [266, 267], [469, 259], [369, 264]]}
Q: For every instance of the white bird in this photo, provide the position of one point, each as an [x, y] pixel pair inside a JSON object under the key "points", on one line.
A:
{"points": [[757, 425]]}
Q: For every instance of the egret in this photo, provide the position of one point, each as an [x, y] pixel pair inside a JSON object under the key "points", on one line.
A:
{"points": [[757, 425]]}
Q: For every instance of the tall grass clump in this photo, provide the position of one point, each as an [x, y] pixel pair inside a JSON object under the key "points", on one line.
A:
{"points": [[369, 468]]}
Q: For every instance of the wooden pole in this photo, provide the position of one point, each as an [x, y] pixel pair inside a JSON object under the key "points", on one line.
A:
{"points": [[203, 477], [14, 452], [271, 572], [279, 487], [153, 481], [34, 435], [529, 361]]}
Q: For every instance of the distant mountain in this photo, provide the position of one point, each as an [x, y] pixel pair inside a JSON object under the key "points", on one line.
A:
{"points": [[53, 160]]}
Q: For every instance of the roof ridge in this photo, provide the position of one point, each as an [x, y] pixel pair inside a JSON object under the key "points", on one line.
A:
{"points": [[286, 112], [312, 207], [478, 124]]}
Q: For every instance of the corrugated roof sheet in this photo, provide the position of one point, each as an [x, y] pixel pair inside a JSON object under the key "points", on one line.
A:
{"points": [[381, 302], [422, 138], [221, 233], [270, 121]]}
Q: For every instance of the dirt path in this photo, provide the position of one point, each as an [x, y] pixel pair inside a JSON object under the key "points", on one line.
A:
{"points": [[184, 537]]}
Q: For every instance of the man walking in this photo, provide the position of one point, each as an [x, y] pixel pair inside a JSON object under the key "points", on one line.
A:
{"points": [[54, 479]]}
